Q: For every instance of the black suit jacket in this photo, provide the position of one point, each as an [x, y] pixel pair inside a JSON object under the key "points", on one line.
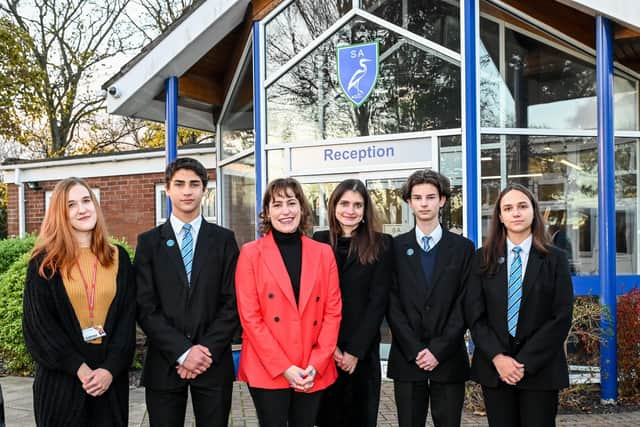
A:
{"points": [[175, 316], [433, 316], [543, 323], [365, 294]]}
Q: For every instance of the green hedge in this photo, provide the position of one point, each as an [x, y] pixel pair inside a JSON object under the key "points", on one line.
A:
{"points": [[13, 352], [12, 249]]}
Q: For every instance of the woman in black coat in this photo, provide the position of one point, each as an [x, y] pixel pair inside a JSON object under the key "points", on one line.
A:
{"points": [[364, 265], [79, 315], [518, 307]]}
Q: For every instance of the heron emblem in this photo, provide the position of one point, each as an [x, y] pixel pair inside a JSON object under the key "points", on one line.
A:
{"points": [[358, 66]]}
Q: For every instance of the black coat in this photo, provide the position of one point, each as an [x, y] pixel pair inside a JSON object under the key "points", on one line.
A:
{"points": [[53, 337], [543, 323], [430, 317], [365, 295], [174, 315]]}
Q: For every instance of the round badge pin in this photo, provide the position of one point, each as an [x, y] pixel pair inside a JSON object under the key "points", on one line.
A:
{"points": [[410, 251], [171, 242]]}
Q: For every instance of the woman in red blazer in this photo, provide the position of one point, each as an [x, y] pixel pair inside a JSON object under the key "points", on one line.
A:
{"points": [[290, 308]]}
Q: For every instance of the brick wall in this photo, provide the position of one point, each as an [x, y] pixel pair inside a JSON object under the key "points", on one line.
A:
{"points": [[128, 203]]}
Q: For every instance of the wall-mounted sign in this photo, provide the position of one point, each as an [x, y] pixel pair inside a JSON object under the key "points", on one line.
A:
{"points": [[357, 156], [358, 70]]}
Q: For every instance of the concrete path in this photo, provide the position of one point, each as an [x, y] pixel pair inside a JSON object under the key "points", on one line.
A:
{"points": [[18, 409]]}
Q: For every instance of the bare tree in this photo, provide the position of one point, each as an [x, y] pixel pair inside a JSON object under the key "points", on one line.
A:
{"points": [[67, 40], [157, 17]]}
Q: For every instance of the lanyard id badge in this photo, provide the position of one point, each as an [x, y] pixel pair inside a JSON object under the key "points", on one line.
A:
{"points": [[94, 331]]}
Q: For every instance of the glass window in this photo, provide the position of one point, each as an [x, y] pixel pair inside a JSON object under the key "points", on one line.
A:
{"points": [[416, 91], [237, 124], [436, 20], [297, 26], [562, 172], [276, 167], [208, 205], [451, 167], [239, 200], [393, 212], [318, 194]]}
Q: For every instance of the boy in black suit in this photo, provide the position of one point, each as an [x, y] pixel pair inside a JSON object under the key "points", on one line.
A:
{"points": [[428, 360], [186, 306]]}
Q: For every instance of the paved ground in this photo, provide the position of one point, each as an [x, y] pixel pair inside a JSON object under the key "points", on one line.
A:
{"points": [[18, 409]]}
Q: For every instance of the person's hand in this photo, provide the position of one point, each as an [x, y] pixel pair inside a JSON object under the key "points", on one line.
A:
{"points": [[337, 356], [348, 363], [295, 376], [426, 360], [184, 373], [309, 376], [84, 373], [99, 383], [510, 370], [198, 360]]}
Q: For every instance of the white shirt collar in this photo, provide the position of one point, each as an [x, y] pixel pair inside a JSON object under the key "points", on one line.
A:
{"points": [[436, 236], [177, 225], [525, 246]]}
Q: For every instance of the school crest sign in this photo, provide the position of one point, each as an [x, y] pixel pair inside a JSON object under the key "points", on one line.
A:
{"points": [[358, 66]]}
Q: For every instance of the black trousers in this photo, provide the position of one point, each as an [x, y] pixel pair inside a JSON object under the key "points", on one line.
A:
{"points": [[508, 406], [285, 407], [211, 405], [353, 400], [412, 401]]}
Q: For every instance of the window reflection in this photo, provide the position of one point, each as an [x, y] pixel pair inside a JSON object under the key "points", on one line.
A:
{"points": [[237, 123], [415, 91], [318, 195], [562, 173], [297, 25], [436, 20], [238, 194]]}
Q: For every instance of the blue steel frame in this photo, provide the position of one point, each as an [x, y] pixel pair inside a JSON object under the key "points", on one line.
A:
{"points": [[257, 117], [171, 123], [471, 118], [606, 209]]}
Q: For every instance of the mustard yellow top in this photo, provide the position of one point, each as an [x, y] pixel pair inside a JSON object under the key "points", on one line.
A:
{"points": [[105, 289]]}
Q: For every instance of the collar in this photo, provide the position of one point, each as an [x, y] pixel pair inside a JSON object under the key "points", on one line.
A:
{"points": [[525, 245], [176, 224], [436, 235]]}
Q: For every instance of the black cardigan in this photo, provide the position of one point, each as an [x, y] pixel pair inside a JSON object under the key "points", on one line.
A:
{"points": [[53, 337]]}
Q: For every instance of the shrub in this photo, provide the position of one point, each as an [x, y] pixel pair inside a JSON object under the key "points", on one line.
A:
{"points": [[629, 345], [12, 349], [12, 249]]}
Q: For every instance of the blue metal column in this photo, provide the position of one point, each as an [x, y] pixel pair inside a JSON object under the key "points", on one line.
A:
{"points": [[171, 123], [257, 116], [606, 210], [471, 130]]}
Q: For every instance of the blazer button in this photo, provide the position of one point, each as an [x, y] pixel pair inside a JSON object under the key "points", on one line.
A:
{"points": [[270, 295], [314, 345], [189, 336], [317, 299], [315, 322], [277, 319], [517, 342]]}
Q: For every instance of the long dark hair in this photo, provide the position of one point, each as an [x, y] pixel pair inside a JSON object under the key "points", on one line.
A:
{"points": [[494, 245], [364, 241], [286, 186]]}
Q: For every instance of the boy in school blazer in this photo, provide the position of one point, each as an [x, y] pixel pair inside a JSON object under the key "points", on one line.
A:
{"points": [[428, 360]]}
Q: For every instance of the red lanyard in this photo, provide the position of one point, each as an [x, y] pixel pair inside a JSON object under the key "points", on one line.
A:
{"points": [[91, 293]]}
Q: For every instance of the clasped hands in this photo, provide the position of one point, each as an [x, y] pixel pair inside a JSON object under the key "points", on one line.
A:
{"points": [[345, 361], [300, 379], [510, 370], [198, 360], [94, 381], [426, 360]]}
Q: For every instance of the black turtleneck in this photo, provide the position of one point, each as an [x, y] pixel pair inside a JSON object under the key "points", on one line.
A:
{"points": [[342, 251], [290, 245]]}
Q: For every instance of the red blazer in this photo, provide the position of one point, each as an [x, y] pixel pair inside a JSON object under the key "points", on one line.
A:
{"points": [[277, 332]]}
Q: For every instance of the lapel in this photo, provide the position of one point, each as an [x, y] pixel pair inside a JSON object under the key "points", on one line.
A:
{"points": [[201, 251], [499, 284], [445, 253], [534, 263], [272, 259], [310, 261], [410, 253], [172, 251]]}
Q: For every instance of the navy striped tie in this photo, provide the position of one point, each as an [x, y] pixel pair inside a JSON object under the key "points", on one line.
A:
{"points": [[187, 250], [515, 291]]}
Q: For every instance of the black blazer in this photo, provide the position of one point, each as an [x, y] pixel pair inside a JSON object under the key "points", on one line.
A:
{"points": [[175, 316], [53, 337], [543, 323], [365, 294], [430, 317]]}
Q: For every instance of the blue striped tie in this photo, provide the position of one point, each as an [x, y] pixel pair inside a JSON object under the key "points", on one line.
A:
{"points": [[425, 243], [187, 250], [515, 291]]}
